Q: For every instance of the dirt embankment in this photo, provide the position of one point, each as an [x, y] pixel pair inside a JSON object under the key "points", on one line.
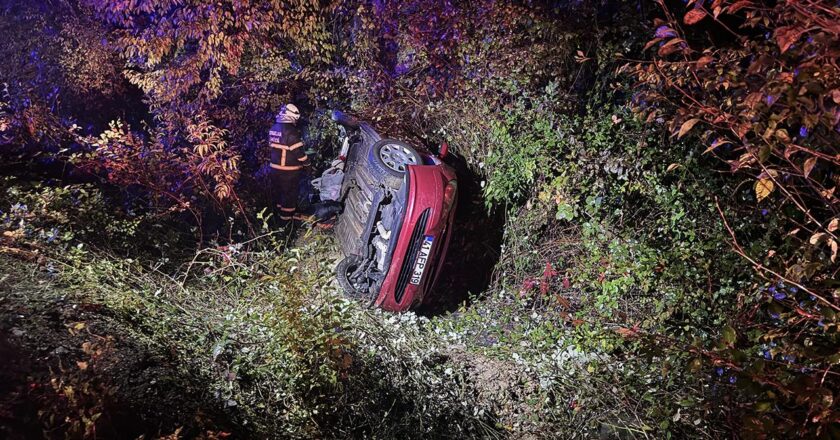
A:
{"points": [[70, 370]]}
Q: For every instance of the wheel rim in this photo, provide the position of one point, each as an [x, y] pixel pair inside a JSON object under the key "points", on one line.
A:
{"points": [[397, 157], [348, 276]]}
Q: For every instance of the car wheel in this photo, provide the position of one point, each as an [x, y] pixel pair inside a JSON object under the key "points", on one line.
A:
{"points": [[344, 270], [393, 157]]}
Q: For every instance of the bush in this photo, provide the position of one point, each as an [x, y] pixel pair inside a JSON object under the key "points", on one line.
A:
{"points": [[767, 107], [280, 349], [64, 215]]}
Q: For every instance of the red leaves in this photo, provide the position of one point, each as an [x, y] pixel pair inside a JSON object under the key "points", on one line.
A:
{"points": [[544, 284], [548, 274], [651, 43], [737, 6], [628, 333], [549, 271], [673, 45], [786, 36], [694, 16], [528, 284], [704, 61]]}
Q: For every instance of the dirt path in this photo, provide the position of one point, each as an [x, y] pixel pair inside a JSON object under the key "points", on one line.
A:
{"points": [[71, 370]]}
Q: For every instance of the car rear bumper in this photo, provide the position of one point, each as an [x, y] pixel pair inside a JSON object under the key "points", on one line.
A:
{"points": [[423, 239]]}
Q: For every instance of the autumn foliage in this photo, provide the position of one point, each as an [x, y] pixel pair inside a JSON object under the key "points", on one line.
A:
{"points": [[758, 83], [665, 172]]}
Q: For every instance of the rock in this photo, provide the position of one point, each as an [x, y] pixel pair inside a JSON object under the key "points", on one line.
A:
{"points": [[61, 350], [17, 332]]}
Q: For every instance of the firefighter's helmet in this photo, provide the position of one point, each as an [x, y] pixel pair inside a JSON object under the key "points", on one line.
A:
{"points": [[288, 113]]}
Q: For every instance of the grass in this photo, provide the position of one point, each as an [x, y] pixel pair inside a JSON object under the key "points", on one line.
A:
{"points": [[255, 339], [266, 341]]}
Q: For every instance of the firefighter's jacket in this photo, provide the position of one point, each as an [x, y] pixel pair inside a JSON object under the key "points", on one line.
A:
{"points": [[286, 148]]}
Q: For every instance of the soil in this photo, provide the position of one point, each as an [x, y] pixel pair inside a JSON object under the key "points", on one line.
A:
{"points": [[71, 370], [499, 385]]}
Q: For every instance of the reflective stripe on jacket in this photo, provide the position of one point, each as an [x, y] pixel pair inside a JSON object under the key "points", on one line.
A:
{"points": [[286, 149]]}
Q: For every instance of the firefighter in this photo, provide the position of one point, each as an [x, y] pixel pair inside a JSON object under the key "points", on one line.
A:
{"points": [[288, 160]]}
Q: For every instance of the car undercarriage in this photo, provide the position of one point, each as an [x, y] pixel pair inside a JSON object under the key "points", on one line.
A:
{"points": [[398, 206]]}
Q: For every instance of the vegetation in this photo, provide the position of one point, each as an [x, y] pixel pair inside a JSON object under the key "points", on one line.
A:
{"points": [[664, 174]]}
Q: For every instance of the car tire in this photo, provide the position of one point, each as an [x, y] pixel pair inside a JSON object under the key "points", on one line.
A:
{"points": [[390, 157], [343, 271]]}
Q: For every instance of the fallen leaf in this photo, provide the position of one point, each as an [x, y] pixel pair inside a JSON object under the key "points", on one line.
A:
{"points": [[687, 126], [786, 36], [833, 225], [743, 129], [346, 361], [672, 167], [16, 234], [833, 250], [564, 302], [82, 365], [763, 188]]}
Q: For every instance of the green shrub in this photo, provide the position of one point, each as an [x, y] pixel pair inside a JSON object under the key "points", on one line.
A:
{"points": [[59, 215]]}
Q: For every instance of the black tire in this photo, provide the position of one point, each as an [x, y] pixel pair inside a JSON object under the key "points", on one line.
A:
{"points": [[346, 267], [344, 119], [391, 157]]}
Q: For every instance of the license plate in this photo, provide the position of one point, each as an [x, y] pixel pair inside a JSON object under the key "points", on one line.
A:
{"points": [[422, 259]]}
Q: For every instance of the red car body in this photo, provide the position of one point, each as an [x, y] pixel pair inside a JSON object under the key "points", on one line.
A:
{"points": [[398, 210], [427, 193]]}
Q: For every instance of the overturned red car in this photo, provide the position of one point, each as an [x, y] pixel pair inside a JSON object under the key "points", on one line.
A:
{"points": [[399, 207]]}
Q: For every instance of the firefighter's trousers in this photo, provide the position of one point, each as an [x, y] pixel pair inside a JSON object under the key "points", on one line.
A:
{"points": [[286, 186]]}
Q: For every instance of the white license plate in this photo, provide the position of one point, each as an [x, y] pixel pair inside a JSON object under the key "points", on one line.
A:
{"points": [[422, 259]]}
